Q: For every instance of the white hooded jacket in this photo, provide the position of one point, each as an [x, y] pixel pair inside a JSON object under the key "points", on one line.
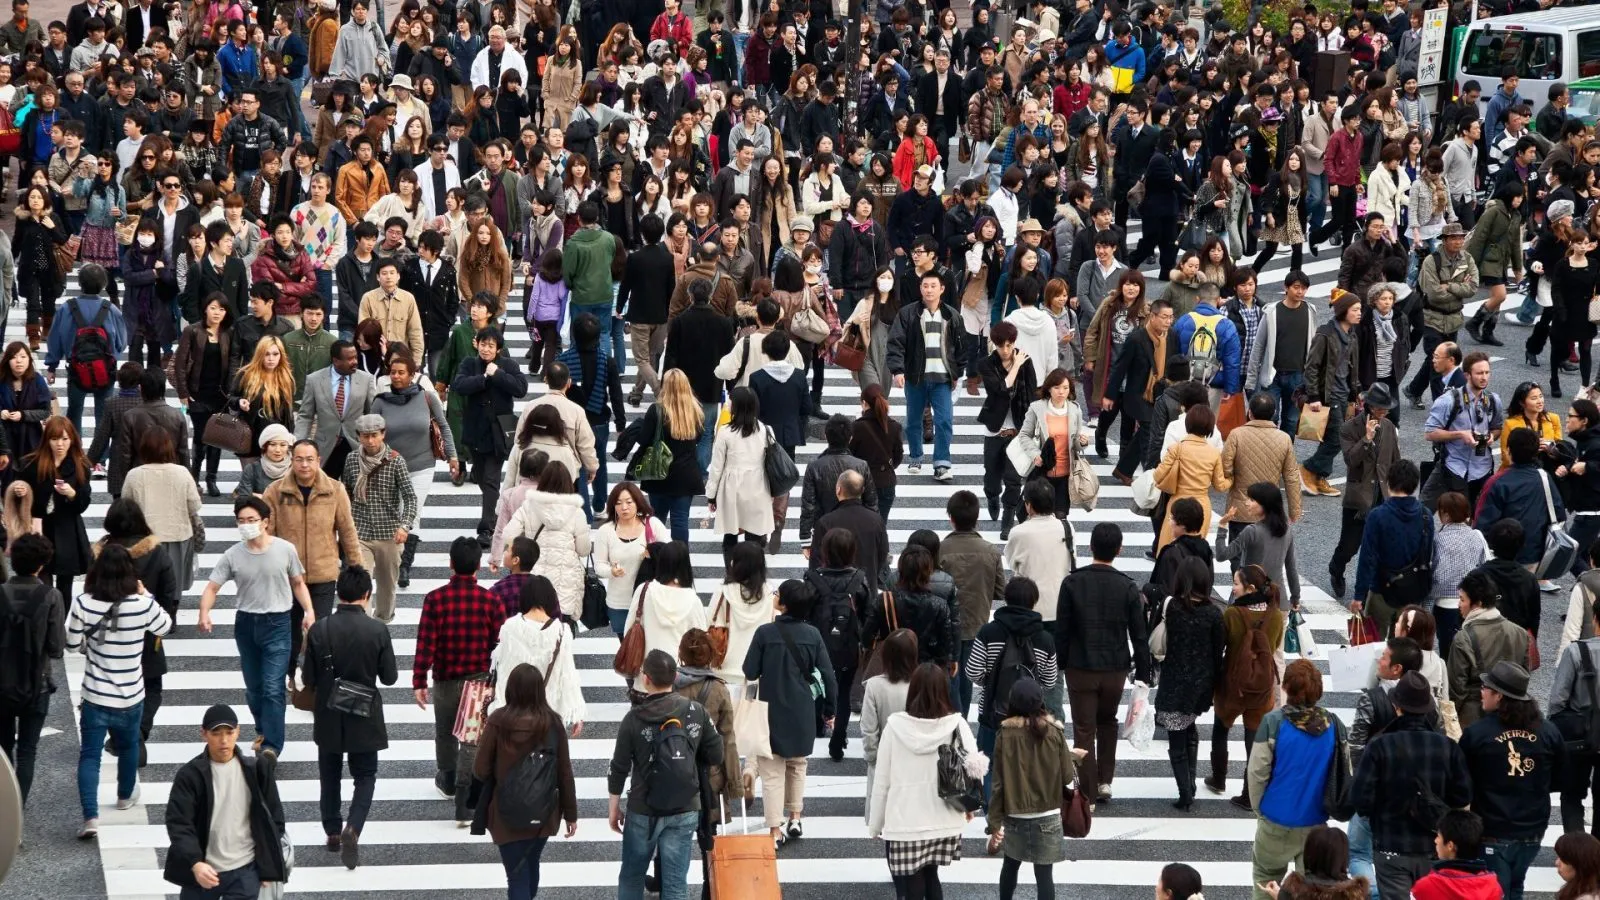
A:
{"points": [[905, 803], [1037, 337], [563, 542], [667, 613]]}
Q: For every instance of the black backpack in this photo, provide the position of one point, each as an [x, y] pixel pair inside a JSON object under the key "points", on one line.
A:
{"points": [[22, 666], [838, 619], [672, 776], [529, 796], [1016, 663]]}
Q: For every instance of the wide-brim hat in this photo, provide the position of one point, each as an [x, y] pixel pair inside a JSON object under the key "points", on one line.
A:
{"points": [[1027, 225], [401, 81], [1507, 679]]}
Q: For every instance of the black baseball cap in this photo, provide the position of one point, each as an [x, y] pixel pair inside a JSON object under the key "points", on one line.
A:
{"points": [[219, 715]]}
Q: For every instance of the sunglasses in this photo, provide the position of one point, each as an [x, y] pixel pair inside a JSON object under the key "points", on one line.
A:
{"points": [[148, 156], [171, 187]]}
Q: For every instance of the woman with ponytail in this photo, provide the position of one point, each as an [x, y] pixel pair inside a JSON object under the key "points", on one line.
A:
{"points": [[880, 441], [1248, 687], [1267, 541]]}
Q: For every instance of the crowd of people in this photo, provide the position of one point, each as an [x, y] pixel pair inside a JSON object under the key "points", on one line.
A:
{"points": [[715, 207]]}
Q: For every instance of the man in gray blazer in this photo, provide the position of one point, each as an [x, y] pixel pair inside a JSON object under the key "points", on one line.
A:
{"points": [[334, 398]]}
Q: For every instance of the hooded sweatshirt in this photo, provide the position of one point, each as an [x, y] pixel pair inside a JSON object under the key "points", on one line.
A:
{"points": [[905, 803], [1036, 336], [1458, 879], [523, 640], [742, 618], [637, 732], [668, 612]]}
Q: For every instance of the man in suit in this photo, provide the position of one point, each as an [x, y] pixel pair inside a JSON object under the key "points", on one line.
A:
{"points": [[335, 397], [1130, 380], [431, 279], [1135, 141], [141, 19], [941, 98]]}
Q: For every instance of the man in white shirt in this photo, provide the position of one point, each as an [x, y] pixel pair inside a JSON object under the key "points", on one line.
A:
{"points": [[494, 60]]}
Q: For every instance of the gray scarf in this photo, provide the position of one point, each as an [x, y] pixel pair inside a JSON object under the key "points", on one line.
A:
{"points": [[369, 466], [1384, 324]]}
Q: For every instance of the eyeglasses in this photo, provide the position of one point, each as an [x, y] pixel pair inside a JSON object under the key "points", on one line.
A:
{"points": [[147, 156], [171, 187]]}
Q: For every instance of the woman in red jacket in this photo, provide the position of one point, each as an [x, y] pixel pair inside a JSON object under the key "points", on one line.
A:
{"points": [[916, 150], [284, 262]]}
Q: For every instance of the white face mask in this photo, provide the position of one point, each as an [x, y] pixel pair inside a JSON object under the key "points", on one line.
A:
{"points": [[885, 284], [814, 268], [147, 240], [249, 531]]}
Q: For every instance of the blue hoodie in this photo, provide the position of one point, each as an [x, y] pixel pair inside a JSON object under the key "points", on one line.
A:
{"points": [[1230, 349]]}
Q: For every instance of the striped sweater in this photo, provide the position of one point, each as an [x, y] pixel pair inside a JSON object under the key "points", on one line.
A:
{"points": [[114, 674]]}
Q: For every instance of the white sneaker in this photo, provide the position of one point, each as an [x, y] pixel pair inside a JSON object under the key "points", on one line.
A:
{"points": [[942, 474], [1548, 586], [90, 829], [129, 802], [914, 468]]}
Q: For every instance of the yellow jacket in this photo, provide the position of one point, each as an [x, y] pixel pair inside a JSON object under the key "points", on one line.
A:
{"points": [[1549, 428]]}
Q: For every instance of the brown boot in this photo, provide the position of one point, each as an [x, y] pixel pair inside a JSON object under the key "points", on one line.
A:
{"points": [[33, 337], [1308, 481], [780, 512]]}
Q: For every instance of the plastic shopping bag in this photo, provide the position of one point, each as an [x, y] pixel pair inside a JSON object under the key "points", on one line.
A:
{"points": [[1139, 726]]}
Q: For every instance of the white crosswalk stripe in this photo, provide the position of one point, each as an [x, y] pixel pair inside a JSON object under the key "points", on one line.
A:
{"points": [[410, 848]]}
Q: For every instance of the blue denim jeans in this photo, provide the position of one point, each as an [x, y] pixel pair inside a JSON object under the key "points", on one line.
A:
{"points": [[1361, 853], [243, 883], [1282, 389], [1510, 860], [75, 397], [642, 836], [521, 861], [1317, 198], [919, 396], [619, 620], [299, 86], [262, 640], [673, 509], [94, 723], [961, 686], [986, 738], [602, 437], [702, 451]]}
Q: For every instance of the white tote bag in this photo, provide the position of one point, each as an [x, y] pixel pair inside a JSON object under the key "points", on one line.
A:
{"points": [[1145, 493], [1348, 667], [750, 724]]}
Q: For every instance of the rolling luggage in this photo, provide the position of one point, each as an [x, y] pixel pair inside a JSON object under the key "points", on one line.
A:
{"points": [[743, 866]]}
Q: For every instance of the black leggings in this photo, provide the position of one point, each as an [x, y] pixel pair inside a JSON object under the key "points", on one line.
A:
{"points": [[1041, 875], [922, 884], [199, 415], [1562, 337], [729, 541], [1270, 247], [146, 345]]}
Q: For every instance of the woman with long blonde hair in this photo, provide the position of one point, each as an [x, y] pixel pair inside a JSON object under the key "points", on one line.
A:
{"points": [[58, 475], [484, 264], [680, 420], [16, 512], [263, 392]]}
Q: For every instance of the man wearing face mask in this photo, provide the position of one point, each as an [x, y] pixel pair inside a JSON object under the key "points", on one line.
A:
{"points": [[270, 580]]}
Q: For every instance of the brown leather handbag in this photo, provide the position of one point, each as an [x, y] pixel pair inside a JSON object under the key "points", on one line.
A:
{"points": [[229, 431], [718, 634], [850, 353], [630, 656], [1075, 815]]}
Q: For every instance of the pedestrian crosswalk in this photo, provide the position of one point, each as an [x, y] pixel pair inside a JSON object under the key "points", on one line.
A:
{"points": [[412, 848]]}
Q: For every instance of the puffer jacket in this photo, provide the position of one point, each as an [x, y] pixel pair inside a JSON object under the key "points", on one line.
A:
{"points": [[310, 523], [546, 302], [557, 524]]}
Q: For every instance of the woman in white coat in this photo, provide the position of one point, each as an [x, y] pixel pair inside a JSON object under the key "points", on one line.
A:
{"points": [[922, 831], [738, 474], [621, 545], [539, 638], [1389, 188], [553, 516], [1054, 418], [884, 695], [667, 607], [743, 602]]}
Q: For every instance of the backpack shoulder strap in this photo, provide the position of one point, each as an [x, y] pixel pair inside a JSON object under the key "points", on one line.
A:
{"points": [[102, 315], [76, 309]]}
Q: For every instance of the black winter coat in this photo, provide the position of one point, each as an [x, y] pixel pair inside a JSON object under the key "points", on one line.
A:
{"points": [[855, 255], [834, 587], [998, 399], [785, 405], [872, 541], [355, 647], [1163, 193], [488, 398], [1195, 645], [907, 352], [684, 478], [938, 637], [188, 817]]}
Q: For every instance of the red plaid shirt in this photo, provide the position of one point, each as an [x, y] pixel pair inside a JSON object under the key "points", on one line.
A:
{"points": [[508, 592], [459, 629]]}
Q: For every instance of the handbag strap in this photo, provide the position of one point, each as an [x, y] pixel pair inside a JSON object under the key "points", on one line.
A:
{"points": [[794, 655], [889, 611], [1549, 502], [560, 635], [722, 607]]}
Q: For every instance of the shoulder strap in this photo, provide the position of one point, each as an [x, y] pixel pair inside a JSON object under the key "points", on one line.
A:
{"points": [[794, 654], [75, 307], [100, 317], [560, 635], [1549, 502], [891, 614]]}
